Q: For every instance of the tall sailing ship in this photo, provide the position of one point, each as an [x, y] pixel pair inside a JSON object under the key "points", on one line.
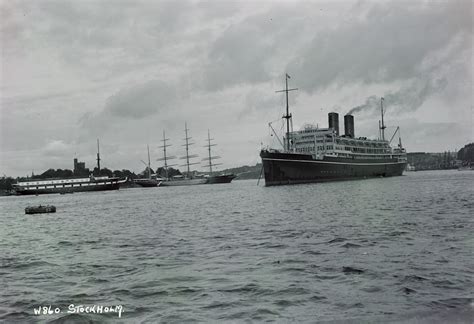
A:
{"points": [[316, 154], [215, 178], [180, 180], [69, 185]]}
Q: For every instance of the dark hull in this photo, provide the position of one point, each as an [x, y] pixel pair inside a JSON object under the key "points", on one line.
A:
{"points": [[147, 183], [226, 178], [96, 187], [40, 209], [292, 168]]}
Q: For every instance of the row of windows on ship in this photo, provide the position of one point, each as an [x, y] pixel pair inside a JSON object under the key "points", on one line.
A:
{"points": [[310, 149], [70, 185], [359, 142], [342, 148], [42, 182]]}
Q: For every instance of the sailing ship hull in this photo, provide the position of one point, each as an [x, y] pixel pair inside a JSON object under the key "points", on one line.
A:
{"points": [[293, 168], [147, 183], [65, 187], [225, 178], [183, 182]]}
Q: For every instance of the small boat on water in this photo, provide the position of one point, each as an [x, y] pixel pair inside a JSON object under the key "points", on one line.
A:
{"points": [[40, 209]]}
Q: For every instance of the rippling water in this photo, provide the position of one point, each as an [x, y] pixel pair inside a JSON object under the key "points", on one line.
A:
{"points": [[397, 249]]}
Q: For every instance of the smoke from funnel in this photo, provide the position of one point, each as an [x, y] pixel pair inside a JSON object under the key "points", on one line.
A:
{"points": [[370, 104], [408, 98]]}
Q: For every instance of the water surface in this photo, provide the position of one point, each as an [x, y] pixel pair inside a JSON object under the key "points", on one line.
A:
{"points": [[396, 249]]}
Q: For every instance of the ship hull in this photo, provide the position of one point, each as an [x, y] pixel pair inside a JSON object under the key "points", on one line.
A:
{"points": [[225, 178], [147, 183], [184, 182], [292, 168], [64, 186], [96, 187]]}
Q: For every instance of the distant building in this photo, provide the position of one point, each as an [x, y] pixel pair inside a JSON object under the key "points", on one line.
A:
{"points": [[80, 168]]}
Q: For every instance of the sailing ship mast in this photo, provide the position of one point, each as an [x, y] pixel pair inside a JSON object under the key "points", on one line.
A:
{"points": [[148, 165], [187, 144], [210, 157], [165, 158], [288, 115], [98, 158], [149, 168]]}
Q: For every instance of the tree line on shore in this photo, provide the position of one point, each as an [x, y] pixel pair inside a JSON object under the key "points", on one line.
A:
{"points": [[442, 161]]}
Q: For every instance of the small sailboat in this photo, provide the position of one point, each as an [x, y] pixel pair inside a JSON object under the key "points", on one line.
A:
{"points": [[150, 180], [181, 180], [215, 178]]}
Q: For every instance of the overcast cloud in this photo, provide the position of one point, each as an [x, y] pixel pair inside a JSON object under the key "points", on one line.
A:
{"points": [[124, 71]]}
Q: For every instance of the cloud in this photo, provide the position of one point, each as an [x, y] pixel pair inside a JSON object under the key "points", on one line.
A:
{"points": [[254, 48], [141, 100], [389, 44], [263, 99], [237, 56], [138, 102], [56, 149]]}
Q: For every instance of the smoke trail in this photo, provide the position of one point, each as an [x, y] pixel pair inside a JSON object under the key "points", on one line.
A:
{"points": [[370, 104], [408, 98]]}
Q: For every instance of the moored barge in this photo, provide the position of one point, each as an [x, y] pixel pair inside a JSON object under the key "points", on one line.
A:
{"points": [[50, 186]]}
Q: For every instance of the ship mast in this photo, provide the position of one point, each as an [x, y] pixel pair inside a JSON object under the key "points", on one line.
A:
{"points": [[165, 158], [149, 168], [98, 158], [288, 115], [187, 157], [210, 158], [382, 127], [187, 145], [148, 165]]}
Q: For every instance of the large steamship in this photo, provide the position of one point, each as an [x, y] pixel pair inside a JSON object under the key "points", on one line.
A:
{"points": [[315, 154]]}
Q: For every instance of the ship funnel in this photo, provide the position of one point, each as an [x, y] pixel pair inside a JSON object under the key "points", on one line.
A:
{"points": [[333, 118], [349, 126]]}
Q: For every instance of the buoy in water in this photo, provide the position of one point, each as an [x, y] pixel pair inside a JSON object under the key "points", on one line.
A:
{"points": [[40, 209]]}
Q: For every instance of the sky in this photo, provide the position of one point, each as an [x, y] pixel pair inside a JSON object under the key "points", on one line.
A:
{"points": [[124, 71]]}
